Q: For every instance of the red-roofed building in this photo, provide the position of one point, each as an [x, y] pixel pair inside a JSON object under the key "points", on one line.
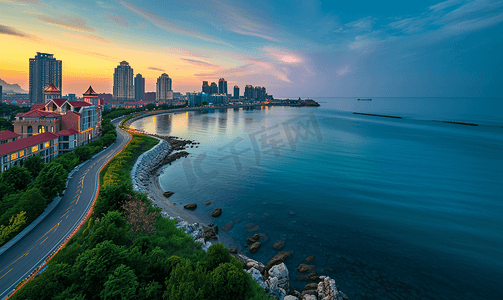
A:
{"points": [[67, 139], [51, 92], [7, 136], [14, 153]]}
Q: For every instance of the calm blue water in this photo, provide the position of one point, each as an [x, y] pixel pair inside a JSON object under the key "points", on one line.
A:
{"points": [[391, 208]]}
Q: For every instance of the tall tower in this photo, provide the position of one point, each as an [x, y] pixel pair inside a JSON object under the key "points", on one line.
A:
{"points": [[222, 86], [249, 92], [44, 70], [236, 92], [123, 83], [139, 87], [206, 88], [214, 88], [164, 91]]}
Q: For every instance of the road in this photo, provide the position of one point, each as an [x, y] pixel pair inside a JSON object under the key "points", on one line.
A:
{"points": [[32, 250]]}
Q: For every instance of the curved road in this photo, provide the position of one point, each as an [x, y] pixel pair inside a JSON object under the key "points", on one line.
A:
{"points": [[33, 249]]}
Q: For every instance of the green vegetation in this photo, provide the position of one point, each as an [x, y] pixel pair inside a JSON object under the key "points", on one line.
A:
{"points": [[29, 188], [127, 250]]}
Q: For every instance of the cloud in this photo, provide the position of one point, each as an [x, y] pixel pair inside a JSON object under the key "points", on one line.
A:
{"points": [[12, 31], [165, 24], [199, 63], [444, 5], [74, 22], [142, 25], [117, 20], [365, 43], [283, 55], [476, 24], [156, 69], [364, 24], [250, 33], [343, 71], [89, 37], [34, 2]]}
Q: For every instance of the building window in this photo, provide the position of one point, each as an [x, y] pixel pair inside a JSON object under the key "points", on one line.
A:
{"points": [[52, 128], [41, 129], [30, 130], [46, 145], [21, 153], [13, 156], [34, 149]]}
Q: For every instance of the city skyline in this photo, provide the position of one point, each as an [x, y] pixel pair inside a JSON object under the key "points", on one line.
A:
{"points": [[313, 48]]}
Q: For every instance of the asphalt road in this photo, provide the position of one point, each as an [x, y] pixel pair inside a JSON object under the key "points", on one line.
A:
{"points": [[33, 249]]}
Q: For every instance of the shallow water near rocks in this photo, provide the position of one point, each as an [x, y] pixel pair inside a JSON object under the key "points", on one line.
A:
{"points": [[390, 208]]}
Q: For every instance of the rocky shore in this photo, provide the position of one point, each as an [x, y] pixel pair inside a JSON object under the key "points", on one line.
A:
{"points": [[273, 277]]}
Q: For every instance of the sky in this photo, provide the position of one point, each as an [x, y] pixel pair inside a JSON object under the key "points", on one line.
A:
{"points": [[295, 48]]}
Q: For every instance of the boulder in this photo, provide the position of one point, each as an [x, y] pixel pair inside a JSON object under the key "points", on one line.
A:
{"points": [[277, 259], [254, 248], [253, 239], [311, 287], [191, 206], [228, 225], [313, 276], [327, 290], [310, 259], [211, 224], [208, 203], [233, 250], [209, 234], [250, 263], [216, 229], [305, 268], [168, 194], [278, 245], [281, 272], [217, 212], [271, 287], [290, 297], [256, 275], [309, 297]]}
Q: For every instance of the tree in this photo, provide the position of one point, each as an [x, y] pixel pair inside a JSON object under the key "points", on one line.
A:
{"points": [[83, 152], [121, 284], [217, 254], [34, 164], [15, 223], [228, 282], [137, 215], [6, 124], [51, 180], [18, 177]]}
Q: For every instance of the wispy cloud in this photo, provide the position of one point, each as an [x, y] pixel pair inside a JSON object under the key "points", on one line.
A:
{"points": [[286, 56], [156, 69], [364, 24], [12, 31], [165, 24], [35, 2], [89, 37], [444, 5], [117, 20], [74, 22], [260, 35], [199, 62], [343, 71]]}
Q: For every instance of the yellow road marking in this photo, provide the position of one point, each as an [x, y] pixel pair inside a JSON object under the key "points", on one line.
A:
{"points": [[43, 240], [6, 273]]}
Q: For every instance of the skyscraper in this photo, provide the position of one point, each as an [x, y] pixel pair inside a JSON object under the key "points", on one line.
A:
{"points": [[236, 92], [222, 86], [206, 88], [214, 88], [249, 92], [164, 91], [44, 70], [139, 87], [123, 83]]}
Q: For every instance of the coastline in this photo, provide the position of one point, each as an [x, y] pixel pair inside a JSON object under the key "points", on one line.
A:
{"points": [[272, 277]]}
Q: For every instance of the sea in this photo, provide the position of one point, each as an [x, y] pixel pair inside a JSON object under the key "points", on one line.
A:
{"points": [[391, 208]]}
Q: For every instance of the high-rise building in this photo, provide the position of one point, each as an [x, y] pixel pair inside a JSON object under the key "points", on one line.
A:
{"points": [[1, 95], [263, 94], [206, 88], [164, 91], [236, 92], [123, 83], [139, 87], [214, 88], [222, 86], [44, 70], [249, 92]]}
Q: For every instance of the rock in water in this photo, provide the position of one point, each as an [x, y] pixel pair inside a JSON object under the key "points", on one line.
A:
{"points": [[168, 194], [311, 287], [271, 287], [253, 239], [327, 290], [233, 250], [217, 212], [277, 259], [208, 203], [310, 259], [211, 224], [209, 233], [254, 248], [256, 275], [290, 297], [278, 245], [216, 229], [281, 272], [191, 206], [305, 268]]}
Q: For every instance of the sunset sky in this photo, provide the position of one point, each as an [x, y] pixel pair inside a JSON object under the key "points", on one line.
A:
{"points": [[303, 48]]}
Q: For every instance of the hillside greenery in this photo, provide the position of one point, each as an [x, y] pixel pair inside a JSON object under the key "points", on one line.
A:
{"points": [[110, 259]]}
